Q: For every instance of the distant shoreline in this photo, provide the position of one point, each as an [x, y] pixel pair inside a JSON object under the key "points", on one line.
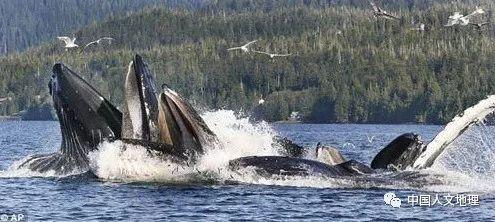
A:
{"points": [[351, 123], [8, 118]]}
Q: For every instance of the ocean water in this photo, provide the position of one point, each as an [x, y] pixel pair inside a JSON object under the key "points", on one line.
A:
{"points": [[131, 186]]}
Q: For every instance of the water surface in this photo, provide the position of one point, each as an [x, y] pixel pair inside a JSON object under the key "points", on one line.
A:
{"points": [[86, 198]]}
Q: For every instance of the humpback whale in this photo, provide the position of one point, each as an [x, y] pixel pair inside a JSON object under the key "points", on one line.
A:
{"points": [[408, 151], [167, 119], [405, 152], [168, 125], [86, 119], [400, 153], [140, 105], [290, 166]]}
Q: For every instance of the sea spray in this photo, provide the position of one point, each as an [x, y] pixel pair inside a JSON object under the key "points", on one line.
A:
{"points": [[469, 163], [238, 138], [464, 151], [459, 124]]}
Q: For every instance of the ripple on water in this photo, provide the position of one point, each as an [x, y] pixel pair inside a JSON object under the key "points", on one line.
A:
{"points": [[82, 198]]}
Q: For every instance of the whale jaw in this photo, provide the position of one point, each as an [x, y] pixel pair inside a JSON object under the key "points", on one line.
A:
{"points": [[86, 119], [181, 126], [141, 104]]}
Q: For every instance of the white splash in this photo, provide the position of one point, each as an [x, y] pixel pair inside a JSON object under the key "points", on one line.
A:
{"points": [[469, 163], [238, 137], [471, 116], [113, 161]]}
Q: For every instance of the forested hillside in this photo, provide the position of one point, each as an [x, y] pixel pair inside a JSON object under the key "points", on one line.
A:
{"points": [[27, 23], [346, 66]]}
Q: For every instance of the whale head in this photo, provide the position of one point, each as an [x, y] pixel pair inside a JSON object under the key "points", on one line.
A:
{"points": [[181, 126], [86, 117], [168, 119], [141, 104]]}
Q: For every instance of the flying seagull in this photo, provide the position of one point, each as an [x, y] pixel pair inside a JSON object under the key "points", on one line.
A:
{"points": [[465, 20], [69, 43], [477, 11], [454, 19], [370, 139], [420, 28], [244, 48], [261, 101], [271, 54], [459, 19], [99, 41], [379, 12]]}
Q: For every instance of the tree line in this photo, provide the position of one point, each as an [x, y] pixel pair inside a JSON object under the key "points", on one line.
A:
{"points": [[345, 66]]}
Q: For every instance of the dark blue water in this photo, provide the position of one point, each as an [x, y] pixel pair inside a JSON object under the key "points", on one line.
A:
{"points": [[84, 198]]}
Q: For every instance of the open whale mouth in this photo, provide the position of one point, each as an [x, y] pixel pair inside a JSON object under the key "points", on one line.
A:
{"points": [[169, 119], [181, 126], [86, 118], [141, 104]]}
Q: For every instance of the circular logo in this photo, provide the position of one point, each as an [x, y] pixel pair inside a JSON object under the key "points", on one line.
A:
{"points": [[4, 217], [388, 197]]}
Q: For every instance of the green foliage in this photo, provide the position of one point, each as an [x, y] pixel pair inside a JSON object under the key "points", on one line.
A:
{"points": [[345, 67], [27, 23]]}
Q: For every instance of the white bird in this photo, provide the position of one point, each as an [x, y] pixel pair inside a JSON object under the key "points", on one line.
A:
{"points": [[454, 19], [99, 41], [244, 48], [465, 20], [477, 11], [69, 43], [271, 54], [420, 28], [261, 101], [379, 12], [459, 19], [370, 139]]}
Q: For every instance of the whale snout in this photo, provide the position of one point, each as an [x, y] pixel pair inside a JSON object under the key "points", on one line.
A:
{"points": [[53, 84]]}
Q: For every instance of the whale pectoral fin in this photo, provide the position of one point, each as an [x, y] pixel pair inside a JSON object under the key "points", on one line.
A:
{"points": [[56, 162]]}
